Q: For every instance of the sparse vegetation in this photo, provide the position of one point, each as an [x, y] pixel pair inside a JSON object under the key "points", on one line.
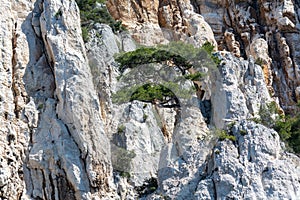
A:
{"points": [[259, 61], [121, 129], [209, 48], [95, 11], [243, 132], [85, 33], [288, 129], [145, 117], [223, 135], [121, 160], [195, 77], [268, 115], [125, 175]]}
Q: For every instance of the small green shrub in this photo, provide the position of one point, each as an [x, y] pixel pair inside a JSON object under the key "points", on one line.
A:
{"points": [[289, 132], [209, 48], [259, 61], [243, 132], [223, 135], [40, 107], [121, 158], [145, 117], [95, 11], [195, 77], [85, 33], [125, 175], [269, 114], [121, 129]]}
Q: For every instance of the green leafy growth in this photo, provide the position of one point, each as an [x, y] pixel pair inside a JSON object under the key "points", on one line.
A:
{"points": [[156, 94], [121, 129], [125, 175], [269, 114], [223, 135], [95, 11], [121, 159], [85, 33], [195, 77], [146, 55], [209, 48], [288, 129]]}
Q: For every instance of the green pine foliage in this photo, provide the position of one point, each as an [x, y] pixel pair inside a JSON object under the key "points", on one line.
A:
{"points": [[181, 55], [150, 92], [146, 55], [155, 94], [95, 11], [223, 135], [288, 129]]}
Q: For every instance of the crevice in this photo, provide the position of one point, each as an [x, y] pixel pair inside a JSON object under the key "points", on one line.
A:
{"points": [[52, 186], [214, 188], [15, 89]]}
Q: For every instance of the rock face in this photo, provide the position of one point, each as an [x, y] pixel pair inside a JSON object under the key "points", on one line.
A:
{"points": [[62, 136], [252, 167], [53, 136], [262, 29], [267, 31], [154, 22]]}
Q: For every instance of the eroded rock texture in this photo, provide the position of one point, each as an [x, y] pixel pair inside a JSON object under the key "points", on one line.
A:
{"points": [[53, 141], [265, 30], [155, 22], [63, 137]]}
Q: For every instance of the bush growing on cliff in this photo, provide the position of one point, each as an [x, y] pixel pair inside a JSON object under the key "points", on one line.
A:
{"points": [[288, 129], [95, 11]]}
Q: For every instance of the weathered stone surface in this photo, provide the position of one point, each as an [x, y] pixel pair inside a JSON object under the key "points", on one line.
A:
{"points": [[62, 136], [269, 26], [253, 167], [155, 22], [238, 92]]}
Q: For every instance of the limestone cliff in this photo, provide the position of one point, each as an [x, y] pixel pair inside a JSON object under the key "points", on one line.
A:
{"points": [[267, 31], [63, 137]]}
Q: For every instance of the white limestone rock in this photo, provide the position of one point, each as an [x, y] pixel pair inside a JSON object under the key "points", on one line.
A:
{"points": [[238, 93], [245, 168]]}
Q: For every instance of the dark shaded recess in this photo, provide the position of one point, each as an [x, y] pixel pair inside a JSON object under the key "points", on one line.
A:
{"points": [[148, 187], [205, 107], [66, 191]]}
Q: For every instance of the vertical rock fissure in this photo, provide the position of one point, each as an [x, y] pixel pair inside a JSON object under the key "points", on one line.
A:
{"points": [[15, 90]]}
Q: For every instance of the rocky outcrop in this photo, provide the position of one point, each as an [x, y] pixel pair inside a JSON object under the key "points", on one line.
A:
{"points": [[239, 92], [63, 137], [156, 22], [262, 29], [254, 166], [53, 137], [267, 31]]}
